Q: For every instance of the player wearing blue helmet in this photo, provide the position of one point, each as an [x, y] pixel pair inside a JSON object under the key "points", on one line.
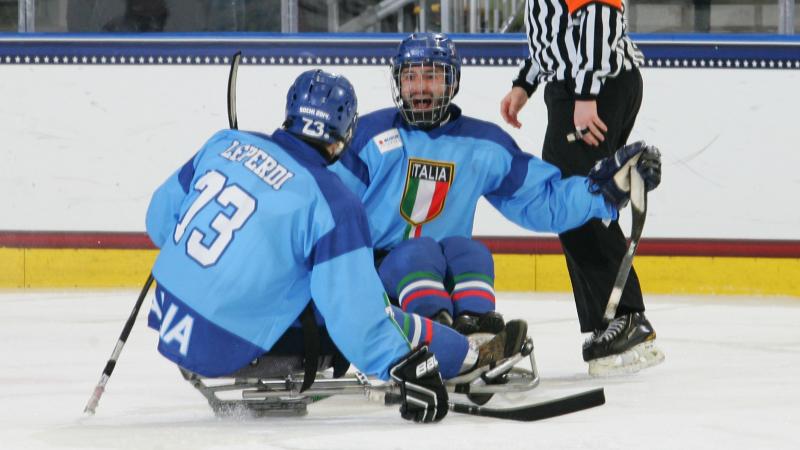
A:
{"points": [[322, 109], [257, 236], [420, 169], [426, 72]]}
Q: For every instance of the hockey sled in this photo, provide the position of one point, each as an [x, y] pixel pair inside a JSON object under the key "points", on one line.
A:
{"points": [[273, 388]]}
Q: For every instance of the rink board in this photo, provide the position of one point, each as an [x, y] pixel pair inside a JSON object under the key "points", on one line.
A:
{"points": [[100, 121]]}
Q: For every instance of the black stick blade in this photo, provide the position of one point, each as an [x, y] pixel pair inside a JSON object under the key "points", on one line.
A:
{"points": [[539, 411]]}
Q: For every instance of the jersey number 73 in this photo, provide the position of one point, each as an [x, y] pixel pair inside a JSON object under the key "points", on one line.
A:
{"points": [[212, 186]]}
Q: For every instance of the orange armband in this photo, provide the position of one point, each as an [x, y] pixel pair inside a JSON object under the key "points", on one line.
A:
{"points": [[574, 5]]}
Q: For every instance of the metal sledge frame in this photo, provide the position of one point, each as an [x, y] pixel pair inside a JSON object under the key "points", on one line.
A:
{"points": [[281, 395]]}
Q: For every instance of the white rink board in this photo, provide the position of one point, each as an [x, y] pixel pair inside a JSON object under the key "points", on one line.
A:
{"points": [[83, 147]]}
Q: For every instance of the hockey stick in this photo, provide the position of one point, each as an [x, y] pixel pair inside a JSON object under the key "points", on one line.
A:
{"points": [[639, 213], [91, 405], [232, 121], [529, 412], [537, 411]]}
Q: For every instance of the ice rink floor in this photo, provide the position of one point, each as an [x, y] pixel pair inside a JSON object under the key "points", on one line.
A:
{"points": [[731, 380]]}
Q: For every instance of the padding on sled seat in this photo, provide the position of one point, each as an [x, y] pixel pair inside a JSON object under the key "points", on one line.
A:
{"points": [[278, 366]]}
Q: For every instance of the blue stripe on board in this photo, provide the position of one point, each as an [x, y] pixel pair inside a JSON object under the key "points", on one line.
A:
{"points": [[661, 50], [738, 38]]}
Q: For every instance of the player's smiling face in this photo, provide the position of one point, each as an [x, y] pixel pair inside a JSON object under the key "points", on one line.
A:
{"points": [[423, 86]]}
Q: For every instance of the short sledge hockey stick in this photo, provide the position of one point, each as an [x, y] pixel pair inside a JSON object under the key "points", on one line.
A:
{"points": [[529, 412], [639, 213], [112, 362]]}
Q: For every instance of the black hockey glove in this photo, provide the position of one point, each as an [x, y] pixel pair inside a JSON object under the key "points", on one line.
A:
{"points": [[611, 176], [422, 393], [649, 167]]}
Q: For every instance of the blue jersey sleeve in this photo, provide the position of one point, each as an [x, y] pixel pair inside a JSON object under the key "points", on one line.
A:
{"points": [[532, 194], [347, 291]]}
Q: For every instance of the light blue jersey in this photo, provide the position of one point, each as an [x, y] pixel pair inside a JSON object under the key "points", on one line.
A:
{"points": [[427, 183], [250, 230]]}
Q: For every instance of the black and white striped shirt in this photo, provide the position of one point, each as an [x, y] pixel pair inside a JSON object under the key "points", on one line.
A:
{"points": [[587, 46]]}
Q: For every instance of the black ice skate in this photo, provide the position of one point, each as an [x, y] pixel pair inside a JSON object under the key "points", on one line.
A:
{"points": [[491, 322], [626, 346]]}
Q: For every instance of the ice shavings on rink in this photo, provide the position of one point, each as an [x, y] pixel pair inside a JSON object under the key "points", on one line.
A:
{"points": [[730, 381]]}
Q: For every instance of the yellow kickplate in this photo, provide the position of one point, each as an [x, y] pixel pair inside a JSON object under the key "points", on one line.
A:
{"points": [[661, 274], [86, 268], [12, 268], [94, 268], [718, 275], [515, 272]]}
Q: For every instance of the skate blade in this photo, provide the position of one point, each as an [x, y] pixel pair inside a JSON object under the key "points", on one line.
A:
{"points": [[633, 360]]}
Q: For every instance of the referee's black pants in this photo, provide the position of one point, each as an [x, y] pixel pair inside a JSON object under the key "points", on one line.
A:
{"points": [[594, 251]]}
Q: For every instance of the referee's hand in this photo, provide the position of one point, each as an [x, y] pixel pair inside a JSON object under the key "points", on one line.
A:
{"points": [[512, 104], [586, 117]]}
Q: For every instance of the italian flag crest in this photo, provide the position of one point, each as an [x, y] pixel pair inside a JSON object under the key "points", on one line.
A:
{"points": [[427, 184]]}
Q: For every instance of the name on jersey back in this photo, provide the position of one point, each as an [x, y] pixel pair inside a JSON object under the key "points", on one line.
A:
{"points": [[267, 168]]}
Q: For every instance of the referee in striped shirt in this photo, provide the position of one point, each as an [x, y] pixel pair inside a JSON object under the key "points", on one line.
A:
{"points": [[581, 49]]}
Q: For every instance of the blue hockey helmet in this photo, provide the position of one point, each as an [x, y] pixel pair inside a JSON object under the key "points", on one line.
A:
{"points": [[321, 107], [426, 72]]}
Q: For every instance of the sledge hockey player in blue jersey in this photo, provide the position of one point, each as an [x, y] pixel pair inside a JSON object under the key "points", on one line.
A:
{"points": [[420, 169], [254, 226]]}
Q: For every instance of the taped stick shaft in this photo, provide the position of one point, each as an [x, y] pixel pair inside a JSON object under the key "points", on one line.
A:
{"points": [[91, 405], [639, 212]]}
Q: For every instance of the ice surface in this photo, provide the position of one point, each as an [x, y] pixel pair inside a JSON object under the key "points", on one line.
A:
{"points": [[730, 381]]}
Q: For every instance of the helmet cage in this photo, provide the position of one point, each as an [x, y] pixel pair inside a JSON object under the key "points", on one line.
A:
{"points": [[422, 90]]}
